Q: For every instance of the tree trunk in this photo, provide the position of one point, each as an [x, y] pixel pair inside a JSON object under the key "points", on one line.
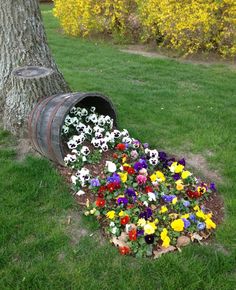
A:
{"points": [[23, 43]]}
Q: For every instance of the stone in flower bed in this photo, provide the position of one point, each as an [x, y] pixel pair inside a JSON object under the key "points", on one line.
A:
{"points": [[147, 203]]}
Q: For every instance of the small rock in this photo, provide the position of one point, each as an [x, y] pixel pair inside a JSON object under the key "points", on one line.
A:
{"points": [[183, 241]]}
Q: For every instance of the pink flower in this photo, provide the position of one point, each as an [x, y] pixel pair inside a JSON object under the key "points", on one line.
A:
{"points": [[141, 179], [143, 171], [134, 154]]}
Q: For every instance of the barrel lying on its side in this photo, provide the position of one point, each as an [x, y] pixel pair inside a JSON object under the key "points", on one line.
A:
{"points": [[47, 118]]}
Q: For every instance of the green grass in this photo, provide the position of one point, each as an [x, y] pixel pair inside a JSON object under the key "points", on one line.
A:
{"points": [[174, 106]]}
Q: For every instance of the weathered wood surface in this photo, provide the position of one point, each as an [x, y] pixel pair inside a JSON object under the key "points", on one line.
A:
{"points": [[47, 119]]}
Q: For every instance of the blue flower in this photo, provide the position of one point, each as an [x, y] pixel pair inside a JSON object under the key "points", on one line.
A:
{"points": [[186, 203], [192, 217], [201, 226]]}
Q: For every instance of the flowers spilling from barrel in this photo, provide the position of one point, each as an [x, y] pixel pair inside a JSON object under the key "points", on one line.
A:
{"points": [[147, 202]]}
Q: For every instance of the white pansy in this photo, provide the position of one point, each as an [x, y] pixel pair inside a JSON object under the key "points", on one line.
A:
{"points": [[111, 166], [145, 203], [153, 161], [74, 179], [112, 224], [84, 112], [114, 230], [85, 150], [72, 144], [80, 192], [151, 196]]}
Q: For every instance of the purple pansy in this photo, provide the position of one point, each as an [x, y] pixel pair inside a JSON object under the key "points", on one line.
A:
{"points": [[114, 178], [140, 233], [131, 193], [168, 198], [186, 223], [149, 239], [146, 214], [176, 176], [95, 182], [182, 161], [145, 145], [212, 187], [122, 200]]}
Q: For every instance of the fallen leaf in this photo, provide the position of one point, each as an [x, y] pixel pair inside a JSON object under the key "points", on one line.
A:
{"points": [[196, 236], [162, 251]]}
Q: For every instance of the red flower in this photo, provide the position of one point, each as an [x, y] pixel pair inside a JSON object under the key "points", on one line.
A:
{"points": [[133, 235], [101, 195], [102, 188], [124, 220], [124, 250], [193, 194], [130, 206], [131, 170], [113, 186], [115, 156], [100, 202], [148, 189], [120, 147]]}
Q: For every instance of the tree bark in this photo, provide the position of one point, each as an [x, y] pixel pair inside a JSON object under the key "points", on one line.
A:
{"points": [[23, 43]]}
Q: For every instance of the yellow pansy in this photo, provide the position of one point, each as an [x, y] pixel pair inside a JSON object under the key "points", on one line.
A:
{"points": [[177, 225], [164, 234], [179, 168], [160, 175], [141, 222], [121, 213], [126, 165], [185, 174], [200, 214], [153, 177], [163, 209], [185, 216], [123, 176], [111, 214], [201, 189], [173, 166], [149, 228], [179, 184], [173, 215], [92, 211], [210, 224], [156, 221], [196, 208], [124, 159], [174, 200], [166, 242]]}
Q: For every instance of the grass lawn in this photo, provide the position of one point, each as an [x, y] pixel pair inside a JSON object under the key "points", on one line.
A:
{"points": [[174, 106]]}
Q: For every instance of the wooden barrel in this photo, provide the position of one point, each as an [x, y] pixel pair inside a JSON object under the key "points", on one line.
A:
{"points": [[47, 118]]}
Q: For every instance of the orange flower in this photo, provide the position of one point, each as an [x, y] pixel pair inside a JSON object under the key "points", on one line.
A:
{"points": [[124, 250], [133, 235]]}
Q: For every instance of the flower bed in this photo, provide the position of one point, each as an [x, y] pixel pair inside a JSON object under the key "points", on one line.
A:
{"points": [[147, 203]]}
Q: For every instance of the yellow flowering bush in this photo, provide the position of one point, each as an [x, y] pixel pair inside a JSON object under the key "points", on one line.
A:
{"points": [[83, 17], [191, 25], [188, 25]]}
